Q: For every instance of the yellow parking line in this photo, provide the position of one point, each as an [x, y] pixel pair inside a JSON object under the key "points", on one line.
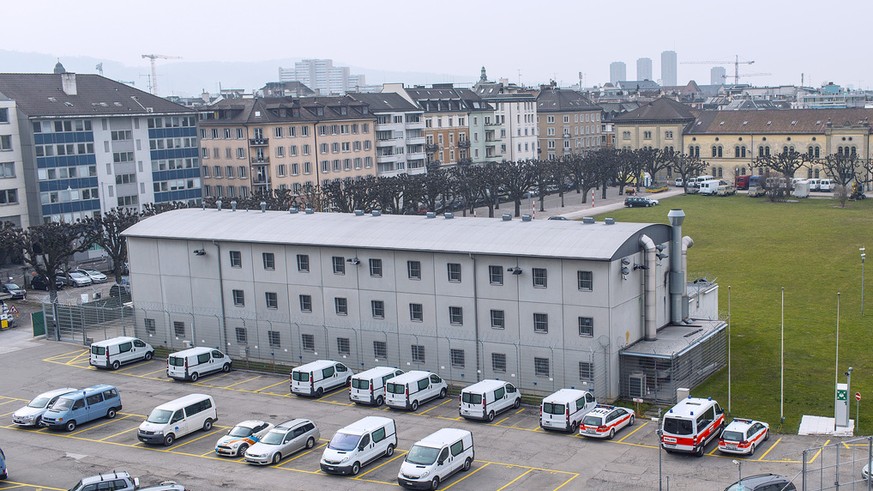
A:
{"points": [[240, 382], [566, 482], [468, 475], [506, 464], [301, 454], [145, 375], [519, 410], [514, 480], [10, 401], [16, 485], [212, 432], [641, 445], [819, 451], [759, 459], [396, 456], [634, 431], [448, 400], [94, 427], [117, 434], [76, 358], [62, 355], [271, 385]]}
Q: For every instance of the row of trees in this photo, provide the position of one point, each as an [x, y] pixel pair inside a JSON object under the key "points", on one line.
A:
{"points": [[846, 170]]}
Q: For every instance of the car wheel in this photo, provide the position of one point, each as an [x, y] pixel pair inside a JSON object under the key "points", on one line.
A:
{"points": [[111, 413], [225, 368], [169, 439], [207, 425], [356, 468], [435, 484], [349, 381], [379, 401], [149, 355], [390, 450], [611, 434], [490, 416], [442, 393], [517, 403], [116, 365], [698, 452], [574, 427], [414, 405], [310, 442], [632, 420], [242, 450], [319, 392], [467, 464], [752, 450], [277, 457], [767, 435], [71, 425]]}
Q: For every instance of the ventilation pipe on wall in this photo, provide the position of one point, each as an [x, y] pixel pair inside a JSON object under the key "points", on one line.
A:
{"points": [[687, 243], [651, 328], [677, 277]]}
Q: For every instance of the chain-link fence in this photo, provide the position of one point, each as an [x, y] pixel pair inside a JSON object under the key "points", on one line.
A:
{"points": [[88, 322], [843, 465]]}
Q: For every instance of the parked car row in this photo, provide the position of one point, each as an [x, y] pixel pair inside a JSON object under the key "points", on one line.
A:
{"points": [[639, 201], [75, 278]]}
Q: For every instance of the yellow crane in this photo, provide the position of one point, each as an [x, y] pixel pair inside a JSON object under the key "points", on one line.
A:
{"points": [[153, 85], [736, 62]]}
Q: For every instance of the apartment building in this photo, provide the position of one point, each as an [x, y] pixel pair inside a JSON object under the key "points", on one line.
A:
{"points": [[400, 137], [568, 123], [252, 146], [513, 133], [73, 146]]}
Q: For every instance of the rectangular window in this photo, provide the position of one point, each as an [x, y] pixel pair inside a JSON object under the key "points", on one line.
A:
{"points": [[541, 322], [585, 280], [235, 259], [376, 268], [413, 269], [416, 313], [341, 305], [306, 303], [343, 346], [540, 277], [380, 349], [378, 308], [498, 319], [586, 371], [454, 270], [272, 300], [150, 326], [586, 326], [495, 275], [456, 316], [239, 299], [498, 362], [417, 353], [541, 367], [308, 342], [457, 356], [303, 263], [339, 264], [269, 261], [6, 142], [274, 338], [242, 336], [179, 329]]}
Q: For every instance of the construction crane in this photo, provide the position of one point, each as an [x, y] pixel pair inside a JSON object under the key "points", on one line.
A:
{"points": [[748, 75], [153, 83], [737, 62]]}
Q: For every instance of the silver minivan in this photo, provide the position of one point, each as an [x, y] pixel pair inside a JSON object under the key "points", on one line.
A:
{"points": [[282, 441]]}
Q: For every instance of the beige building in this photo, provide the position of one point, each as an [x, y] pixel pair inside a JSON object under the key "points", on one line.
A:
{"points": [[567, 122], [249, 146]]}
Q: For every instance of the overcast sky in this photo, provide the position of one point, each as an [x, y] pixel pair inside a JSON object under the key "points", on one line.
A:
{"points": [[525, 41]]}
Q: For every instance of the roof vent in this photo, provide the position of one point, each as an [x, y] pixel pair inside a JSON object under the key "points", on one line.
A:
{"points": [[449, 215], [431, 214], [218, 205], [293, 210], [526, 218], [588, 220], [609, 221], [506, 217], [376, 213], [359, 213], [263, 206], [233, 205], [309, 211]]}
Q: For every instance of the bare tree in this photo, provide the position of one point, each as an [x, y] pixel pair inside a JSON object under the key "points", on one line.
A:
{"points": [[844, 170], [105, 230], [653, 161], [784, 165], [687, 167], [516, 179]]}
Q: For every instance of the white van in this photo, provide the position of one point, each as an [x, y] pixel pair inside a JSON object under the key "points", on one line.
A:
{"points": [[409, 390], [112, 353], [178, 418], [691, 424], [358, 444], [700, 179], [191, 364], [825, 185], [318, 377], [813, 184], [368, 387], [436, 457], [484, 399], [710, 187], [564, 409]]}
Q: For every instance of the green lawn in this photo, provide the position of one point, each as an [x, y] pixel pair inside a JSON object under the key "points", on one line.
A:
{"points": [[811, 249]]}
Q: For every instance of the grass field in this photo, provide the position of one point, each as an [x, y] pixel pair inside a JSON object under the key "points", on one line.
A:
{"points": [[811, 249]]}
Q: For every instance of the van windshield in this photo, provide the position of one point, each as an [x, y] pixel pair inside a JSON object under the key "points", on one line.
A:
{"points": [[422, 455], [678, 426], [552, 408], [344, 442], [359, 383], [470, 398], [39, 402], [176, 361], [396, 388], [62, 404], [300, 376], [98, 350], [160, 416]]}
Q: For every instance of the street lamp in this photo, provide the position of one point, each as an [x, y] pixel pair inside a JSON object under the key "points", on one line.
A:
{"points": [[863, 256], [739, 464]]}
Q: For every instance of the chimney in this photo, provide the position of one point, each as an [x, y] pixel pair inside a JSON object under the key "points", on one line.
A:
{"points": [[68, 83], [677, 276]]}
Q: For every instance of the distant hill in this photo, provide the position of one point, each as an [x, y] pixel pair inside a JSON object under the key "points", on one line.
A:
{"points": [[183, 78]]}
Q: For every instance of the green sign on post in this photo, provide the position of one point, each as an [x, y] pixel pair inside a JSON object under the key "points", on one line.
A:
{"points": [[842, 395]]}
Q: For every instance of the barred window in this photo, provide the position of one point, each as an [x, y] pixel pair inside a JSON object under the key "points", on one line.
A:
{"points": [[416, 313], [495, 275], [541, 322], [269, 261], [241, 335], [378, 308], [586, 326], [457, 356], [541, 367], [343, 346], [413, 269], [306, 303], [179, 329], [417, 353], [498, 362], [272, 300], [235, 259], [239, 298], [339, 265], [380, 349], [456, 316], [586, 371], [308, 342], [150, 326], [376, 268], [274, 338], [585, 280], [303, 263], [540, 277], [454, 271], [342, 305], [498, 320]]}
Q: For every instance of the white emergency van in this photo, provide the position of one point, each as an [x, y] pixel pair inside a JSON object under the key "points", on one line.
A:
{"points": [[191, 364], [315, 378], [359, 444], [484, 399], [177, 418], [436, 457], [690, 425], [368, 387], [564, 409], [413, 388], [112, 353]]}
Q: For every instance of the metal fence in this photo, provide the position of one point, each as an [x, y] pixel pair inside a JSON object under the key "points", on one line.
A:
{"points": [[838, 465], [88, 322]]}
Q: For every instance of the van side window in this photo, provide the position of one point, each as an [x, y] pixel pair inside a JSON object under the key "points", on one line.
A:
{"points": [[443, 455], [457, 448], [718, 410], [124, 347], [435, 379], [79, 404], [365, 440], [94, 399], [204, 358], [341, 368], [139, 344], [580, 403], [177, 416], [110, 394], [510, 388], [379, 435], [328, 372], [386, 378], [217, 354], [423, 383], [499, 393], [589, 397]]}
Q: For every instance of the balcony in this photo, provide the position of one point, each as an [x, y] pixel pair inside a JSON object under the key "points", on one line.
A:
{"points": [[261, 160], [464, 144], [491, 123], [431, 148], [259, 142]]}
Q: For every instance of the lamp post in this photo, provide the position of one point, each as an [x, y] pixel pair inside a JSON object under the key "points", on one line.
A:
{"points": [[863, 256], [739, 464]]}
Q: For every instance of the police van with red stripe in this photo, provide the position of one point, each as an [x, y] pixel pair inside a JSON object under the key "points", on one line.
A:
{"points": [[743, 436], [690, 425], [605, 421]]}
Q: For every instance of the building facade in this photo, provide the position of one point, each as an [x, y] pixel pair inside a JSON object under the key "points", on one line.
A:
{"points": [[568, 123], [669, 68], [617, 71], [13, 203], [514, 135], [88, 144], [644, 69], [320, 75], [400, 136]]}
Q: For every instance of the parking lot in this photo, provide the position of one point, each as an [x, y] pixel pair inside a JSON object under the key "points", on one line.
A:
{"points": [[513, 452]]}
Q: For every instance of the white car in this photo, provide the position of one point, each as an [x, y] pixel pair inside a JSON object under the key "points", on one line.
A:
{"points": [[605, 421], [76, 278], [96, 276], [743, 436], [31, 414], [678, 183], [241, 437]]}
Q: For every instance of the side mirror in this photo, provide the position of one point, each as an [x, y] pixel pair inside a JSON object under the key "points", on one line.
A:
{"points": [[360, 448], [440, 462]]}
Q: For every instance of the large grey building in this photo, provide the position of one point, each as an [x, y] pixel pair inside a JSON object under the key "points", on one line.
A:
{"points": [[547, 304], [669, 68], [617, 71], [644, 69], [322, 76]]}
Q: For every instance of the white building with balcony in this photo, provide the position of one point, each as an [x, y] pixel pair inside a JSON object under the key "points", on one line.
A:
{"points": [[400, 136], [513, 132]]}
